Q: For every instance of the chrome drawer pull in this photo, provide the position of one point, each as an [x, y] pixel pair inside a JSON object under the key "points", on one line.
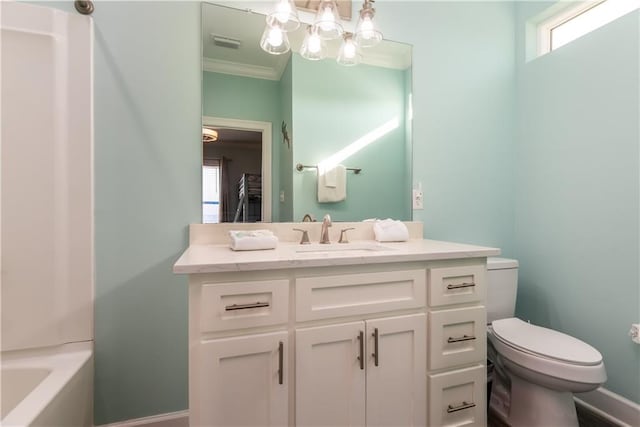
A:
{"points": [[245, 306], [376, 352], [461, 285], [280, 362], [464, 405], [361, 344], [460, 339]]}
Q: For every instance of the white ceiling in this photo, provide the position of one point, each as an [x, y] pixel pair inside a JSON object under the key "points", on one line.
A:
{"points": [[250, 60]]}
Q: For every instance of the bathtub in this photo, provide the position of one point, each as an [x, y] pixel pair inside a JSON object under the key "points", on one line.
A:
{"points": [[48, 387]]}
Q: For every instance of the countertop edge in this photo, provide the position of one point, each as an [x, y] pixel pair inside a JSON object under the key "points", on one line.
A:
{"points": [[286, 259]]}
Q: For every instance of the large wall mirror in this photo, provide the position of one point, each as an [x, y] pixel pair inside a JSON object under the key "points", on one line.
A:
{"points": [[269, 121]]}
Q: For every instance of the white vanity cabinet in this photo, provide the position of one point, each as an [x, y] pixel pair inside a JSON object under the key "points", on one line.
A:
{"points": [[457, 345], [281, 338], [238, 375], [241, 381], [362, 373]]}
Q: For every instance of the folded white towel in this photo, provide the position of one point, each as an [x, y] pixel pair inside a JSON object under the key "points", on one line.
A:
{"points": [[252, 240], [332, 184], [331, 178], [389, 230]]}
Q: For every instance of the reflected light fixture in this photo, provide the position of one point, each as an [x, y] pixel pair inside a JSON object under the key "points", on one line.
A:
{"points": [[209, 135], [367, 33], [275, 40], [328, 20], [285, 15], [349, 53], [326, 26], [312, 46]]}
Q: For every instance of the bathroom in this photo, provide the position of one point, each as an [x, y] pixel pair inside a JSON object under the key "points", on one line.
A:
{"points": [[538, 158]]}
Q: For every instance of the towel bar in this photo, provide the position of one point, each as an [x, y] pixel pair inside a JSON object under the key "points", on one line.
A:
{"points": [[300, 167]]}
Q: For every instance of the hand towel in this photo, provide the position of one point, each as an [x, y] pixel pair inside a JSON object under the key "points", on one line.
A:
{"points": [[389, 230], [332, 184], [252, 240]]}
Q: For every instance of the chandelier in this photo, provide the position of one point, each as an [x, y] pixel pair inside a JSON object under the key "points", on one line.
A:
{"points": [[326, 26]]}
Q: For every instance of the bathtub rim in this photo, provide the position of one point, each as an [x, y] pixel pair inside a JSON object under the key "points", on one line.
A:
{"points": [[64, 361]]}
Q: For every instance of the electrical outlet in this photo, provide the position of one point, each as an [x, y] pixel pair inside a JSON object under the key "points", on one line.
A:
{"points": [[418, 200], [634, 333], [282, 196]]}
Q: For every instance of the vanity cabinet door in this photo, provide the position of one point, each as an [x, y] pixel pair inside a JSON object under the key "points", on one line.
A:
{"points": [[330, 378], [242, 381], [396, 371]]}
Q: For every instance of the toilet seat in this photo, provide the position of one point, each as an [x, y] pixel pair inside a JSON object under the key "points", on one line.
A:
{"points": [[545, 343], [553, 357]]}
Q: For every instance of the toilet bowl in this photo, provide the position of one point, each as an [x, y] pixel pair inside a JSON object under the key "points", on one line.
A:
{"points": [[538, 369]]}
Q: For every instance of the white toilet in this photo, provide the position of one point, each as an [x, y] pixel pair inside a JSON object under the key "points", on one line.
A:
{"points": [[537, 370]]}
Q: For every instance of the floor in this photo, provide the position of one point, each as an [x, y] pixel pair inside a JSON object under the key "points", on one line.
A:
{"points": [[586, 418]]}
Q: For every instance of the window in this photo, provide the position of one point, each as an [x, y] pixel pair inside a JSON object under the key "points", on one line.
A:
{"points": [[211, 192], [577, 21]]}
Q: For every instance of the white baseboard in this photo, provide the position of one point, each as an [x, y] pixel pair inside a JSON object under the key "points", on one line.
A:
{"points": [[605, 403], [173, 419], [611, 406]]}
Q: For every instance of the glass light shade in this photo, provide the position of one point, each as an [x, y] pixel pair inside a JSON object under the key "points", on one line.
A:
{"points": [[285, 16], [274, 40], [312, 47], [328, 20], [209, 135], [349, 53], [367, 33]]}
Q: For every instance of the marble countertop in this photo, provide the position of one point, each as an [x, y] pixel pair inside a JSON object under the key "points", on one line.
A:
{"points": [[214, 258]]}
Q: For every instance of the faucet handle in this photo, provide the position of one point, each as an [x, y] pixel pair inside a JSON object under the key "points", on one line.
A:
{"points": [[304, 239], [343, 235]]}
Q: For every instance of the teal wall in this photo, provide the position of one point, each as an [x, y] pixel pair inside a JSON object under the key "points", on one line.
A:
{"points": [[235, 97], [333, 107], [148, 152], [286, 150], [464, 111], [147, 191], [577, 204]]}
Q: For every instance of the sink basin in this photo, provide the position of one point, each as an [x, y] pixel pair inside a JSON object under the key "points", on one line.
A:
{"points": [[342, 247]]}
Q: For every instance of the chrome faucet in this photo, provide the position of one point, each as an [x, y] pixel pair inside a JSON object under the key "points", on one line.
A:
{"points": [[324, 231]]}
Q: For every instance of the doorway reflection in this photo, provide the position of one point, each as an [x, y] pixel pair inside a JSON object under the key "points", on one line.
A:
{"points": [[232, 176]]}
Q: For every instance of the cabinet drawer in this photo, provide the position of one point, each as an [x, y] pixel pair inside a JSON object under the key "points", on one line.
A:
{"points": [[457, 337], [356, 294], [226, 306], [457, 285], [458, 398]]}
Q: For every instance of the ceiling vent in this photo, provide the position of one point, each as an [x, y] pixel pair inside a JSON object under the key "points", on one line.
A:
{"points": [[227, 42]]}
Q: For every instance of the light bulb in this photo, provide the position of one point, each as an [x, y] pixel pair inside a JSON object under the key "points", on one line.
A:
{"points": [[366, 28], [328, 19], [349, 49], [283, 9], [275, 37], [315, 44]]}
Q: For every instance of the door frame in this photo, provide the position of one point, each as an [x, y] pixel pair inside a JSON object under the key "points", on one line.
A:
{"points": [[266, 129]]}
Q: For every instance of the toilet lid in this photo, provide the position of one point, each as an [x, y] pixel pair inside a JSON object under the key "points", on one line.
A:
{"points": [[545, 342]]}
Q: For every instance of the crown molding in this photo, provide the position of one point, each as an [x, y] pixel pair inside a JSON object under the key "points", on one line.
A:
{"points": [[243, 70]]}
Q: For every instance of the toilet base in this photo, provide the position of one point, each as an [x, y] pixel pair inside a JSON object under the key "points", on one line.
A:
{"points": [[532, 405]]}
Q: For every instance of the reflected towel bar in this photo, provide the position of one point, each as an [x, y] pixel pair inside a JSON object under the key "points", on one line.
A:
{"points": [[300, 167]]}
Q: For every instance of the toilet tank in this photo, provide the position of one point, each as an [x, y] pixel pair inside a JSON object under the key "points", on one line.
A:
{"points": [[502, 287]]}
